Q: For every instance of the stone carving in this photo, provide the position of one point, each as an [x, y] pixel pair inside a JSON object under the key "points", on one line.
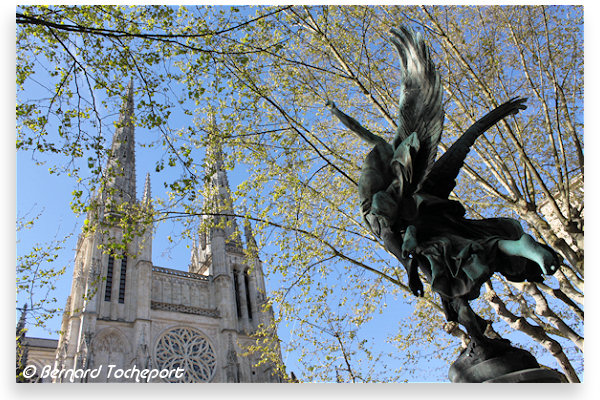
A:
{"points": [[404, 193], [85, 357], [179, 287], [142, 358], [110, 343], [186, 348], [233, 366], [183, 274], [110, 347], [61, 352], [208, 312]]}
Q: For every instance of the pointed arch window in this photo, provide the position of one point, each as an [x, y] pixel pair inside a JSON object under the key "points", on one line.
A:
{"points": [[122, 280], [246, 283], [236, 287], [109, 278]]}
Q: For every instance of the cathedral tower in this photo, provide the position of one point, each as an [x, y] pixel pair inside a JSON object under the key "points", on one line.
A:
{"points": [[126, 312], [236, 271], [110, 293]]}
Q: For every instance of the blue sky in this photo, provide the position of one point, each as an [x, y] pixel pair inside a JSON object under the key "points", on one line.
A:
{"points": [[36, 192], [49, 195], [39, 192]]}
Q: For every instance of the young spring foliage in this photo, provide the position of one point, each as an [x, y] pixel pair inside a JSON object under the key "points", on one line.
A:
{"points": [[265, 73]]}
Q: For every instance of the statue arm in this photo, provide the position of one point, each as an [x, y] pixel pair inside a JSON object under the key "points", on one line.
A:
{"points": [[354, 126], [510, 107]]}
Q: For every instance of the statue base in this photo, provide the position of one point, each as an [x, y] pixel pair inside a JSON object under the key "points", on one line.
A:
{"points": [[499, 364], [533, 375]]}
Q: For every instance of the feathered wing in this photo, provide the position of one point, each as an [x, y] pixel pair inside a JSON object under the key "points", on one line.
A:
{"points": [[421, 114], [441, 179]]}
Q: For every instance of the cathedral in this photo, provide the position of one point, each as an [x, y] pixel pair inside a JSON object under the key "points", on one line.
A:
{"points": [[125, 314]]}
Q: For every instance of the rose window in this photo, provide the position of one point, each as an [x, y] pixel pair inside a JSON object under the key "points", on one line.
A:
{"points": [[186, 348]]}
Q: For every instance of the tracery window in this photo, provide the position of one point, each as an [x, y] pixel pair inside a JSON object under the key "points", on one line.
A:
{"points": [[248, 297], [122, 280], [236, 288], [109, 278], [186, 348]]}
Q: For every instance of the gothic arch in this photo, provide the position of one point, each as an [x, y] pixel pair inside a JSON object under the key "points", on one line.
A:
{"points": [[110, 346], [111, 339], [188, 348]]}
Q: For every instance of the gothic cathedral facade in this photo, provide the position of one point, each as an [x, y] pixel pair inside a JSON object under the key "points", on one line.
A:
{"points": [[126, 312]]}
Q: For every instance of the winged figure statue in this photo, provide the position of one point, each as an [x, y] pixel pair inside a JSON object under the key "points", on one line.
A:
{"points": [[404, 193]]}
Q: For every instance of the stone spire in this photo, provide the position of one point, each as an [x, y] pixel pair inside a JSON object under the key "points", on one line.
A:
{"points": [[21, 350], [219, 198], [121, 162], [21, 323], [221, 228], [251, 245], [147, 191]]}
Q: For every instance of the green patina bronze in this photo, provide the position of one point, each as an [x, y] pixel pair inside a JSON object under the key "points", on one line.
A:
{"points": [[404, 193]]}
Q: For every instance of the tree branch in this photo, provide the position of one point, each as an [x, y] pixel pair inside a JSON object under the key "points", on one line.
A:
{"points": [[535, 332]]}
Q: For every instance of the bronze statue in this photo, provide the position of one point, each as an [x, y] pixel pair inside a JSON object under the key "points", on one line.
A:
{"points": [[404, 199]]}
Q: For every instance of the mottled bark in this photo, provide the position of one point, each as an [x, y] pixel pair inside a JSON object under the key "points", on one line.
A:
{"points": [[535, 332]]}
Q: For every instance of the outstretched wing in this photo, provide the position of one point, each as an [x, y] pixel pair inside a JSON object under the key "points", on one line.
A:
{"points": [[420, 104], [441, 179]]}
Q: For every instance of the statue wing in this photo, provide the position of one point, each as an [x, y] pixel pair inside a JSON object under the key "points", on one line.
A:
{"points": [[441, 178], [421, 114]]}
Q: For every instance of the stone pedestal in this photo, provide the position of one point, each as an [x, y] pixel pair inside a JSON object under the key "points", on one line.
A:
{"points": [[501, 364]]}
